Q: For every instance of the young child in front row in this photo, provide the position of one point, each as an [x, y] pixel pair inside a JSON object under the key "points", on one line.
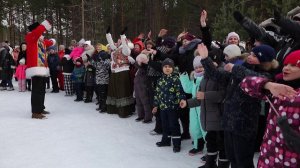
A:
{"points": [[77, 77], [168, 97], [21, 75], [191, 85]]}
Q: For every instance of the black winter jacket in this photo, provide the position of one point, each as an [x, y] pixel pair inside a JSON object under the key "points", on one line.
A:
{"points": [[241, 112]]}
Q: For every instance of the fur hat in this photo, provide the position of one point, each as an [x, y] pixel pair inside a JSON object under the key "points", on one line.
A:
{"points": [[169, 62], [88, 42], [232, 51], [33, 26], [169, 42], [232, 34], [197, 62], [293, 58], [189, 37], [264, 53]]}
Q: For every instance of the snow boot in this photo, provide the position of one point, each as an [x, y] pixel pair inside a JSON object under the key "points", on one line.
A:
{"points": [[210, 161], [223, 163]]}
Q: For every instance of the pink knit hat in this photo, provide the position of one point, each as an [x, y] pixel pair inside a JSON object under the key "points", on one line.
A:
{"points": [[232, 34]]}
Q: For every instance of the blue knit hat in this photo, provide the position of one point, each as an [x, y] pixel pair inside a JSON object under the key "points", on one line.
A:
{"points": [[169, 62], [264, 53]]}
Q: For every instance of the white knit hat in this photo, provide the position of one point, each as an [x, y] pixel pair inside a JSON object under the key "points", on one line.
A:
{"points": [[231, 34], [232, 51]]}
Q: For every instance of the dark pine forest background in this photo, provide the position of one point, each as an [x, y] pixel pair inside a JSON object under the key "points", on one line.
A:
{"points": [[74, 19]]}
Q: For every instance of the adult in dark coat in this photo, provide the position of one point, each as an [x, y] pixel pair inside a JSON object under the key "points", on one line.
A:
{"points": [[53, 63], [287, 41], [241, 112]]}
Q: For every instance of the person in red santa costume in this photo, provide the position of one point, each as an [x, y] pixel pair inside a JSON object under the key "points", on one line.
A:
{"points": [[37, 67]]}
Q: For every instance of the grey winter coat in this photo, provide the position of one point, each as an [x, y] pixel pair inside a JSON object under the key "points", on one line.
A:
{"points": [[211, 106]]}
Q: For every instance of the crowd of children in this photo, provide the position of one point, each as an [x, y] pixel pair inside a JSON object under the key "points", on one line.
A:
{"points": [[218, 91]]}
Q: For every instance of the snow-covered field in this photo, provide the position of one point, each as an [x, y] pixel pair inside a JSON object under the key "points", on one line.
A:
{"points": [[75, 135]]}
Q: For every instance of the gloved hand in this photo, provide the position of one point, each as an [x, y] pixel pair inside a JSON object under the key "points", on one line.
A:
{"points": [[131, 60], [124, 30], [108, 30], [238, 16]]}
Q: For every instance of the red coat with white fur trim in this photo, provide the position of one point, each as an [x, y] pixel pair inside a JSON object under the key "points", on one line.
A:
{"points": [[36, 60]]}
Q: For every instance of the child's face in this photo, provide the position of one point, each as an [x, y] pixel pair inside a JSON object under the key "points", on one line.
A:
{"points": [[149, 46], [233, 40], [98, 48], [199, 69], [24, 47], [137, 48], [185, 42], [78, 63], [252, 59], [167, 69], [290, 72]]}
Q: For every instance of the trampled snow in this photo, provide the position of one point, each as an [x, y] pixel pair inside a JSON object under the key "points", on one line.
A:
{"points": [[75, 135]]}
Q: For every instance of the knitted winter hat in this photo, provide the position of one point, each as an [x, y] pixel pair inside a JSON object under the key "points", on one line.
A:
{"points": [[188, 37], [140, 43], [293, 58], [197, 62], [232, 51], [232, 34], [169, 62], [264, 53], [169, 42], [33, 26]]}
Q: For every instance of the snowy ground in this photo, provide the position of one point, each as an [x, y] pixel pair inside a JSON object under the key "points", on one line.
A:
{"points": [[75, 135]]}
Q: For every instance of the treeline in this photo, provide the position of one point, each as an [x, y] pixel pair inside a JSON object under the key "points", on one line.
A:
{"points": [[74, 19]]}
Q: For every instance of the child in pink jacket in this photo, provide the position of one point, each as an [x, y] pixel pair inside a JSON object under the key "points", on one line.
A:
{"points": [[21, 75]]}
